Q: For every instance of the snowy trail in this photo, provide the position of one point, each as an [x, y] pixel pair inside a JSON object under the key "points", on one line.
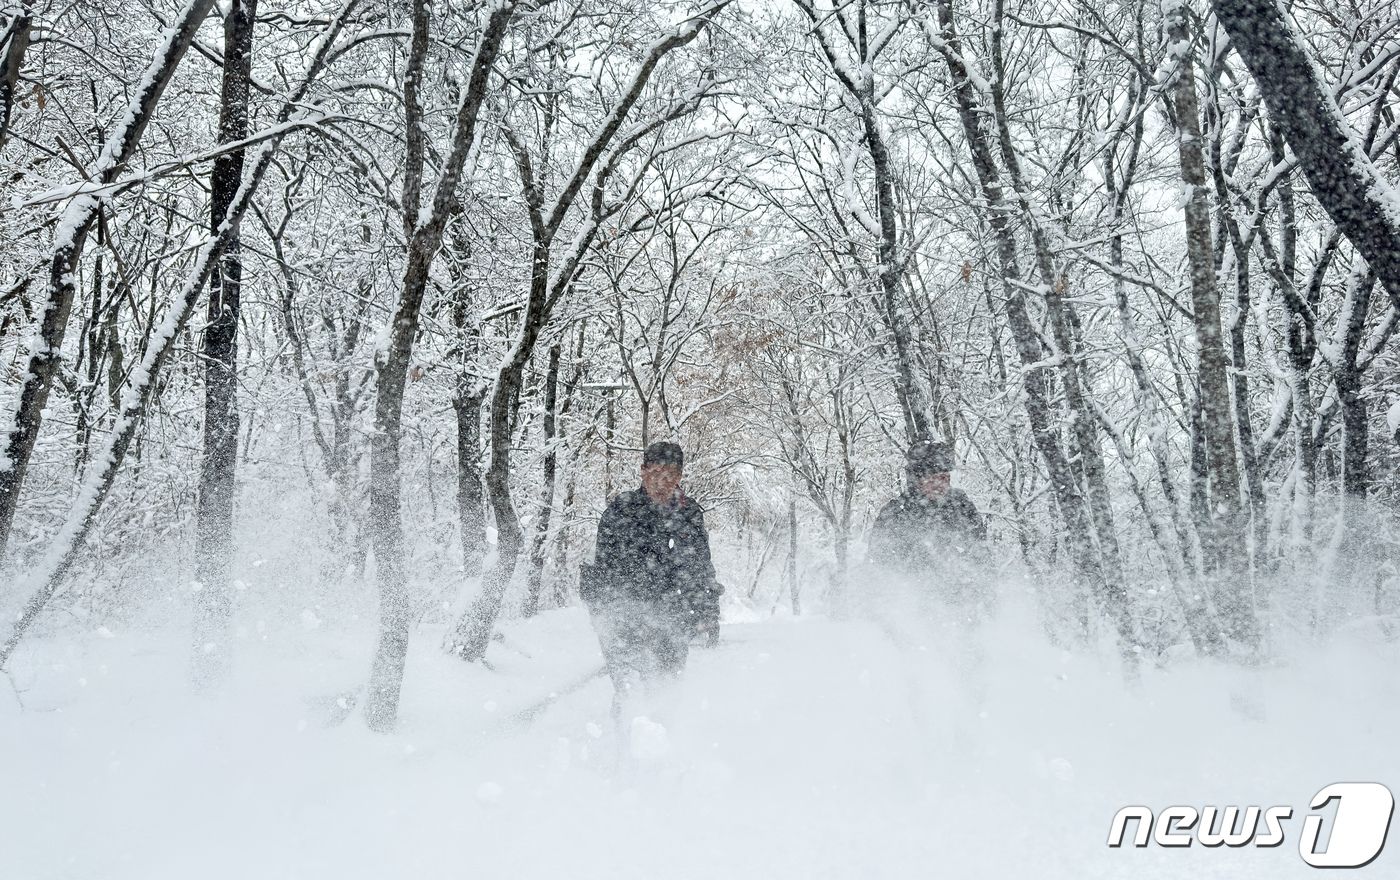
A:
{"points": [[799, 748]]}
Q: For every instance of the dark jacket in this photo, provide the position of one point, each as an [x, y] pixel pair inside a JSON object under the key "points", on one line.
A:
{"points": [[657, 555], [916, 536]]}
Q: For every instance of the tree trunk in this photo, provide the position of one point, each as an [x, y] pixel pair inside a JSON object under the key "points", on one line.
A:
{"points": [[916, 407], [1249, 454], [1078, 524], [551, 457], [1221, 165], [472, 634], [1145, 393], [46, 353], [1345, 565], [1300, 333], [467, 398], [1341, 174], [1200, 623], [1060, 316], [609, 435], [794, 589], [218, 473], [471, 503], [1225, 550], [15, 42], [427, 225], [1347, 374]]}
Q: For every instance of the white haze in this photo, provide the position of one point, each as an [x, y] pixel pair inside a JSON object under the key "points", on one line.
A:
{"points": [[802, 747]]}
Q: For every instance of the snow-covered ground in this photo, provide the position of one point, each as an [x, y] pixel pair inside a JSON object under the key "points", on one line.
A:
{"points": [[800, 747]]}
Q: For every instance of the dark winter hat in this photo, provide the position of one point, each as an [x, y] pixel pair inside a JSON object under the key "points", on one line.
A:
{"points": [[928, 457], [664, 452]]}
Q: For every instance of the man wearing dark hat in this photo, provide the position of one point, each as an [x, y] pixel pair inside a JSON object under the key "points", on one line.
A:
{"points": [[931, 587], [932, 532], [652, 585]]}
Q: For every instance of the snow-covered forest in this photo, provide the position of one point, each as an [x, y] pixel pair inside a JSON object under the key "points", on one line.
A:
{"points": [[328, 331]]}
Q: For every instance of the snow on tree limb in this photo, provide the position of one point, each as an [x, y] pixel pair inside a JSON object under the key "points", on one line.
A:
{"points": [[1363, 204], [46, 350], [49, 573]]}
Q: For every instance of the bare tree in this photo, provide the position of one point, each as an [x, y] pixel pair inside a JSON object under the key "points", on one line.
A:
{"points": [[603, 149], [218, 476], [853, 37], [14, 42], [1078, 522], [1224, 525], [97, 483], [424, 225], [78, 218]]}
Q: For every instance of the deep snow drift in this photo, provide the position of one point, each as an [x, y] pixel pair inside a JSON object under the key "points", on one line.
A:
{"points": [[801, 747]]}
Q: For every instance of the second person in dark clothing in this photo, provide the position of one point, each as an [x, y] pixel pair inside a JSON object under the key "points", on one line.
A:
{"points": [[652, 585], [932, 534]]}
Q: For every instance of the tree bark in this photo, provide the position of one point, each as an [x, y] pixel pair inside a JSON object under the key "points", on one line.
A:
{"points": [[1347, 374], [551, 457], [218, 473], [471, 503], [467, 397], [1340, 172]]}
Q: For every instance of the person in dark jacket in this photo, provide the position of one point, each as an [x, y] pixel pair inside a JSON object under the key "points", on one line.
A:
{"points": [[932, 534], [931, 586], [652, 585]]}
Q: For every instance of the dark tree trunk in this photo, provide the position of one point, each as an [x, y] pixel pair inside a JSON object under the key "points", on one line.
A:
{"points": [[1341, 174], [551, 458], [1225, 550], [218, 472], [560, 594], [891, 272], [1078, 522], [467, 397], [14, 43], [1355, 476], [471, 503], [473, 632], [609, 434], [426, 231], [1300, 333]]}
